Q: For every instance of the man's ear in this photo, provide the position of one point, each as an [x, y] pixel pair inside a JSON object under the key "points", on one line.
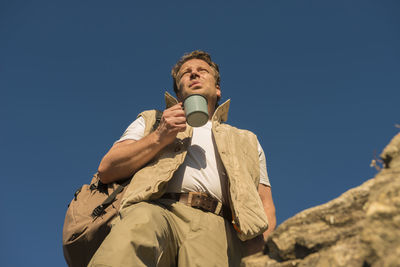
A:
{"points": [[218, 91]]}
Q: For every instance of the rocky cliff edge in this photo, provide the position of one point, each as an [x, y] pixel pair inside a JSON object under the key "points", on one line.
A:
{"points": [[359, 228]]}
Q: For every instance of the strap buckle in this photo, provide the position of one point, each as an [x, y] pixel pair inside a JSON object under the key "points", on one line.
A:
{"points": [[98, 211]]}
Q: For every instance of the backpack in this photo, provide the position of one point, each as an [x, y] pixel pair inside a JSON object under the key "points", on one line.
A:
{"points": [[89, 215]]}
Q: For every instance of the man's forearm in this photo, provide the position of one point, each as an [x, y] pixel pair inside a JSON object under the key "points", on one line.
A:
{"points": [[127, 157], [256, 244], [269, 208], [271, 224]]}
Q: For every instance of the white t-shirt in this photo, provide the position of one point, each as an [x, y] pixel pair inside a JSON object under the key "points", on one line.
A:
{"points": [[202, 169]]}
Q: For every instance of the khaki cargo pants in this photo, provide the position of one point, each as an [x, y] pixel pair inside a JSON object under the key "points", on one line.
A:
{"points": [[168, 233]]}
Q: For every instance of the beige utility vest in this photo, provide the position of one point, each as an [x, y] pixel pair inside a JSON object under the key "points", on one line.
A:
{"points": [[239, 154]]}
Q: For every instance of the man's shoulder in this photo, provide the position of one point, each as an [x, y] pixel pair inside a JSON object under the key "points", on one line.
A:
{"points": [[240, 139], [151, 118], [150, 114], [147, 112], [237, 130]]}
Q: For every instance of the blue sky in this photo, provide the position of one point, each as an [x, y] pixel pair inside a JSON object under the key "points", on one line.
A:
{"points": [[317, 81]]}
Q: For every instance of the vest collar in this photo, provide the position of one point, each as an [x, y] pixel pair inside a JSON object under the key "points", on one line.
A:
{"points": [[169, 100], [220, 114]]}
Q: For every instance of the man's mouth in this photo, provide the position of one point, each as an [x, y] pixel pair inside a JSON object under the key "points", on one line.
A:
{"points": [[194, 83]]}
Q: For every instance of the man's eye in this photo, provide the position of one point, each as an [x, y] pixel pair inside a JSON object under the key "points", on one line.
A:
{"points": [[203, 70]]}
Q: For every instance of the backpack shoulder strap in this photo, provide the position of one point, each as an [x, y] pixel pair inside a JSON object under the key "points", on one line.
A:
{"points": [[159, 114], [152, 119]]}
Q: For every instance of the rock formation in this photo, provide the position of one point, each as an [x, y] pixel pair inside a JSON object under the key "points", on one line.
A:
{"points": [[359, 228]]}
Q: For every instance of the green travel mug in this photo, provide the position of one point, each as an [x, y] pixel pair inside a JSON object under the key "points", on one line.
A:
{"points": [[196, 110]]}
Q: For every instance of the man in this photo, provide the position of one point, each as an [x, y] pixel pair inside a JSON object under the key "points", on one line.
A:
{"points": [[196, 197]]}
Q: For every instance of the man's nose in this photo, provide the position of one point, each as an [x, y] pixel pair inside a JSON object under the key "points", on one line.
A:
{"points": [[194, 74]]}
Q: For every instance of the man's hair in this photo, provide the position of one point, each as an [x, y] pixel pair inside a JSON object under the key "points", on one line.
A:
{"points": [[197, 54]]}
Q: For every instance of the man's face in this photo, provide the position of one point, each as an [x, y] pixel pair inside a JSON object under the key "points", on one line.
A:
{"points": [[197, 77]]}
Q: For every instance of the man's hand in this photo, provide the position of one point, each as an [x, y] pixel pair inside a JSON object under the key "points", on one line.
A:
{"points": [[254, 245], [173, 121]]}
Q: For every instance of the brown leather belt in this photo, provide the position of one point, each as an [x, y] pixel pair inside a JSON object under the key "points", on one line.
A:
{"points": [[201, 201]]}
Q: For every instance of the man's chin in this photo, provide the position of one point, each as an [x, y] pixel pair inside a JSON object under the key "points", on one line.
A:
{"points": [[196, 87], [195, 91]]}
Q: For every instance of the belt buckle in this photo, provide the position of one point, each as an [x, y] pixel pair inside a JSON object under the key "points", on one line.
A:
{"points": [[204, 202], [195, 200]]}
